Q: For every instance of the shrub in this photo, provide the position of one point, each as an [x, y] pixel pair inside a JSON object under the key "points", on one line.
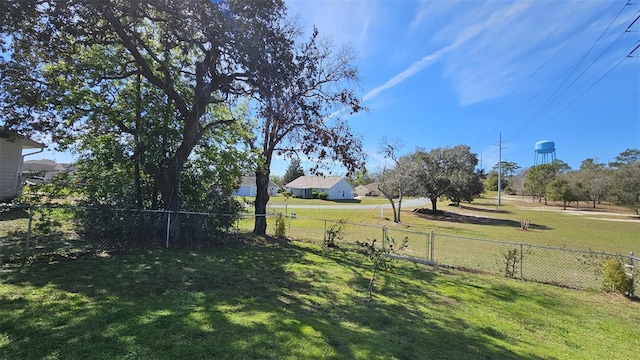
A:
{"points": [[281, 228], [314, 194], [381, 257], [614, 277], [511, 259], [323, 195], [334, 232]]}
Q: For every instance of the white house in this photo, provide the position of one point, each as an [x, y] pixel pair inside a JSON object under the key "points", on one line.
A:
{"points": [[362, 190], [337, 188], [45, 168], [11, 161], [368, 190], [248, 187]]}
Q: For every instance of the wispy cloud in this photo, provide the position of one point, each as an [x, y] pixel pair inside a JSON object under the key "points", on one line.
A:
{"points": [[544, 40], [409, 72], [340, 20], [430, 11], [467, 34]]}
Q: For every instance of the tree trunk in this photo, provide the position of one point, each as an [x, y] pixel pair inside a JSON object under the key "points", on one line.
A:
{"points": [[168, 182], [262, 198], [434, 204], [399, 208], [393, 209]]}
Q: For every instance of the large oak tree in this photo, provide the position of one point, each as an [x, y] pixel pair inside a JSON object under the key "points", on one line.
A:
{"points": [[299, 112], [68, 62], [448, 172]]}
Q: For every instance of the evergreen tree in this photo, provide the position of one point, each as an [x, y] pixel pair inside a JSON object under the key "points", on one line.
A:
{"points": [[294, 171]]}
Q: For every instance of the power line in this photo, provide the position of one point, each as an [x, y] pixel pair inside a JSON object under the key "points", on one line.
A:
{"points": [[590, 87], [549, 104], [552, 57], [580, 95], [553, 101], [592, 63], [573, 68], [535, 71]]}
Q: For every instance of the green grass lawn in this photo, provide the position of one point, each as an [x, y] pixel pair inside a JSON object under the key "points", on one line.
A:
{"points": [[281, 200], [587, 229], [293, 300]]}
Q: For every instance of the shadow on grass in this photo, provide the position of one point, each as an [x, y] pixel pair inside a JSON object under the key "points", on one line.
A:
{"points": [[266, 299], [440, 215], [344, 201], [491, 211], [46, 241], [13, 214]]}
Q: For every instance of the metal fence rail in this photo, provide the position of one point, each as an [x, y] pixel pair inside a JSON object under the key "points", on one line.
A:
{"points": [[571, 268], [31, 232]]}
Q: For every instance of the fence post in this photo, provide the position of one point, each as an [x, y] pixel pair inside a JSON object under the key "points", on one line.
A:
{"points": [[324, 234], [27, 245], [384, 235], [632, 290], [433, 238], [521, 264], [168, 228], [427, 247]]}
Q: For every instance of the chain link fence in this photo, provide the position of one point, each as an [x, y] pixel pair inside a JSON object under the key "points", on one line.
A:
{"points": [[579, 269], [31, 232], [27, 233]]}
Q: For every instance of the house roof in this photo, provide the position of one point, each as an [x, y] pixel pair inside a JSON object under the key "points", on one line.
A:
{"points": [[251, 181], [26, 143], [314, 182], [372, 186], [42, 165]]}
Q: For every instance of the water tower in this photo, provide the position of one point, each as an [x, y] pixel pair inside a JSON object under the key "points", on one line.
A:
{"points": [[545, 150]]}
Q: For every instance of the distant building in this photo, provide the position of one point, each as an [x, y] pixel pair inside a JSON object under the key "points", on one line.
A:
{"points": [[248, 187], [337, 188], [374, 190], [12, 147], [368, 190], [43, 170], [362, 190]]}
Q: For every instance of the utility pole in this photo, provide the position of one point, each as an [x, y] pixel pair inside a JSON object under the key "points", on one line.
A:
{"points": [[500, 170]]}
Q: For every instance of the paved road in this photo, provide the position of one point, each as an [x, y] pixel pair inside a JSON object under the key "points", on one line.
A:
{"points": [[405, 203]]}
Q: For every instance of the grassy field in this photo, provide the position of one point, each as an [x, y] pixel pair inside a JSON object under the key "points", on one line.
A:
{"points": [[281, 200], [606, 228], [292, 300]]}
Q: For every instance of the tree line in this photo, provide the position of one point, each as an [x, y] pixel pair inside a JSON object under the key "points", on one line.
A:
{"points": [[448, 172], [617, 182]]}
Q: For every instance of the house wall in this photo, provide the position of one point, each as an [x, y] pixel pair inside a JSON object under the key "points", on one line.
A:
{"points": [[246, 191], [362, 190], [251, 190], [341, 190], [273, 189], [10, 167], [300, 193]]}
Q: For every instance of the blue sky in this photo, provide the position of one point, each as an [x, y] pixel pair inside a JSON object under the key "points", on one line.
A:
{"points": [[442, 73]]}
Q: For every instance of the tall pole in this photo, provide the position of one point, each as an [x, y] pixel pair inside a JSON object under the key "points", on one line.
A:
{"points": [[500, 170]]}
